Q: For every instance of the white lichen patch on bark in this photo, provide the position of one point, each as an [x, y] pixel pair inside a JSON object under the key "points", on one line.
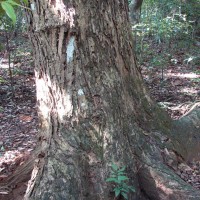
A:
{"points": [[32, 6], [70, 49], [82, 99], [80, 92]]}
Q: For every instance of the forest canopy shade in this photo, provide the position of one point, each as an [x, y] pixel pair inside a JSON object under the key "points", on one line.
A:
{"points": [[94, 109]]}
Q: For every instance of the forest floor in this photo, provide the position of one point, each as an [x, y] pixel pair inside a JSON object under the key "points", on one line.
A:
{"points": [[174, 85]]}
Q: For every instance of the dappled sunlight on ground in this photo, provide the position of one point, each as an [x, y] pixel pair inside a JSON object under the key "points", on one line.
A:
{"points": [[176, 88], [182, 75]]}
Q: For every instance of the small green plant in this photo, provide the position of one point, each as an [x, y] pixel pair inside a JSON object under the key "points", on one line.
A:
{"points": [[119, 178], [7, 6], [197, 80], [197, 72], [2, 80]]}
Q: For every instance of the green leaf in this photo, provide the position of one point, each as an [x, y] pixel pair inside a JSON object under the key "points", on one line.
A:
{"points": [[9, 10], [25, 1], [122, 169], [124, 195], [122, 178], [17, 3], [117, 191], [114, 166], [11, 2], [125, 190], [112, 180], [121, 173], [113, 172]]}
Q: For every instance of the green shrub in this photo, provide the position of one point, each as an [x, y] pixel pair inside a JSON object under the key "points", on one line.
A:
{"points": [[119, 178]]}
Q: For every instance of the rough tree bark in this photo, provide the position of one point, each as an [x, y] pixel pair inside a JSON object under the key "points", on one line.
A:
{"points": [[95, 110]]}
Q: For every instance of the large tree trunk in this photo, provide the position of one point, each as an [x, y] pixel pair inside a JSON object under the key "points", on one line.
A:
{"points": [[94, 109]]}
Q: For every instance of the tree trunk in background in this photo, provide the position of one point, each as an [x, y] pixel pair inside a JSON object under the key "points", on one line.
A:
{"points": [[135, 10], [94, 109]]}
